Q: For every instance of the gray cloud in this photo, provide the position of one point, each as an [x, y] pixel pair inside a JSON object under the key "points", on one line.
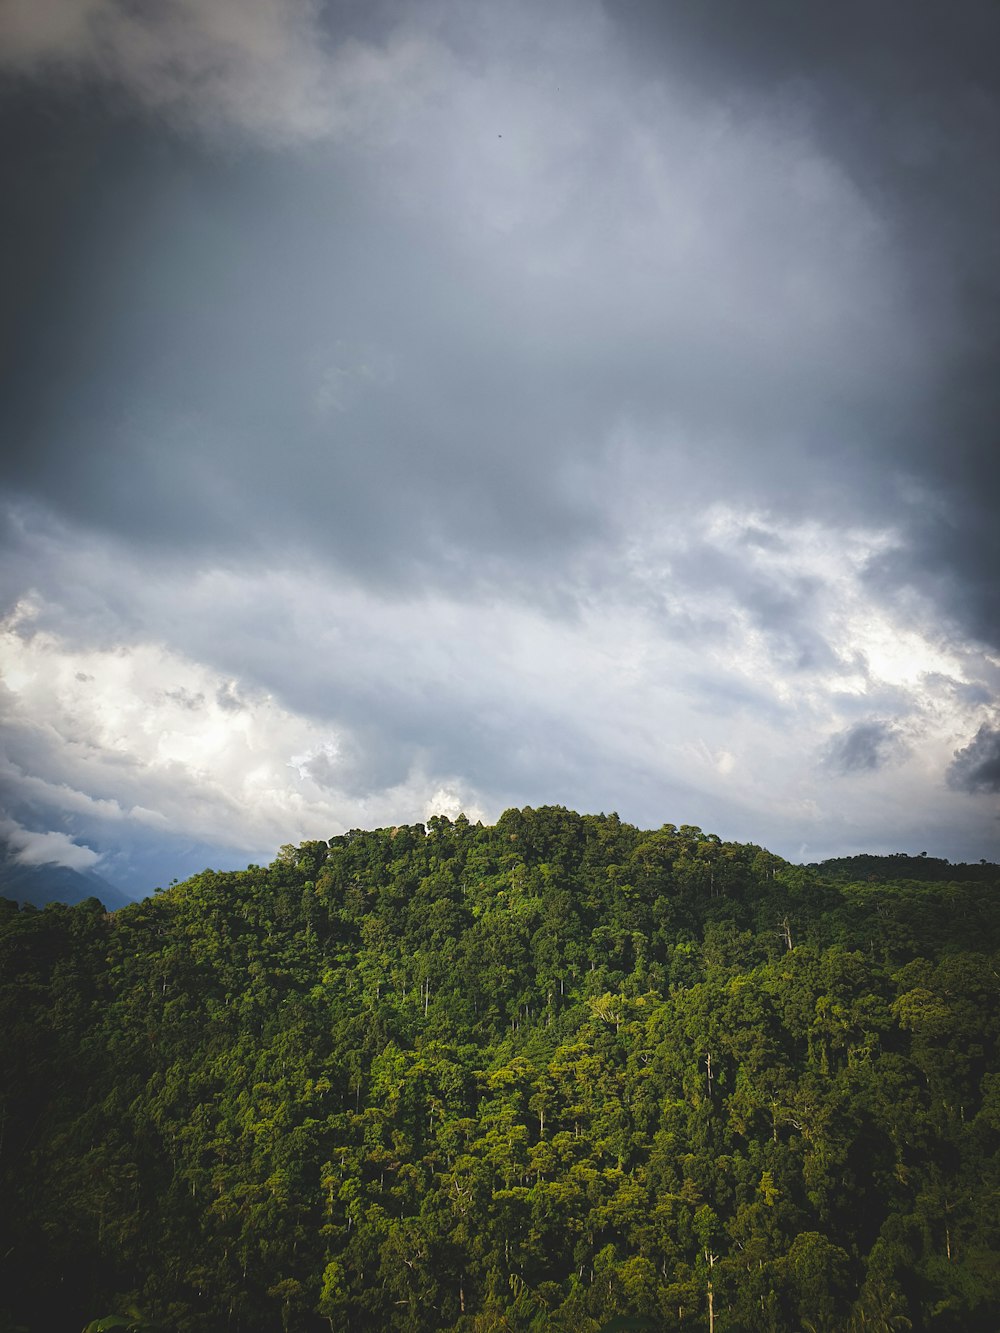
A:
{"points": [[781, 605], [532, 301], [864, 747], [977, 767], [255, 66]]}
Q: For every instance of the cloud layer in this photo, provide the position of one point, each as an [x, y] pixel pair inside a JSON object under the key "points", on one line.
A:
{"points": [[285, 705]]}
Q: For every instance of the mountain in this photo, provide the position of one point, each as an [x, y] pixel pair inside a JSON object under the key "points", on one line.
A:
{"points": [[558, 1073], [898, 865], [43, 884]]}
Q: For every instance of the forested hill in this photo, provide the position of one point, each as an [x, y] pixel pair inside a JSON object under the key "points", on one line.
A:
{"points": [[559, 1073]]}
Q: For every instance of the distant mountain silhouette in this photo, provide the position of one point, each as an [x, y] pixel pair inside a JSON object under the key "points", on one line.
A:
{"points": [[899, 865], [53, 883]]}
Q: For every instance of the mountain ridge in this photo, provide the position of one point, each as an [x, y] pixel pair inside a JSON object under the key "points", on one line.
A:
{"points": [[51, 882]]}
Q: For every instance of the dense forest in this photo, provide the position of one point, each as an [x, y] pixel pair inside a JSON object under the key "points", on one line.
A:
{"points": [[558, 1073]]}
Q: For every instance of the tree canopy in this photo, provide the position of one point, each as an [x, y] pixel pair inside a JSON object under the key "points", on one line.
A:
{"points": [[556, 1073]]}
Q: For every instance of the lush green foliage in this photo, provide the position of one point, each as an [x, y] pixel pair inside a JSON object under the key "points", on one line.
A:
{"points": [[555, 1074]]}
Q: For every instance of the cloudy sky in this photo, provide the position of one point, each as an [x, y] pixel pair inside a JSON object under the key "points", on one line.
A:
{"points": [[444, 405]]}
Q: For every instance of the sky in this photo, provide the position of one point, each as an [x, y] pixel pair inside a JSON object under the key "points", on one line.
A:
{"points": [[440, 406]]}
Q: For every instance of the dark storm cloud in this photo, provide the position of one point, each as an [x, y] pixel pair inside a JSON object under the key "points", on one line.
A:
{"points": [[172, 330], [168, 379], [904, 97], [864, 747], [977, 767], [173, 360]]}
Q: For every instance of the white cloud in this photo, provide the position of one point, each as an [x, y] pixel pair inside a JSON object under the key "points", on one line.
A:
{"points": [[662, 696], [155, 731], [41, 849], [451, 802]]}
